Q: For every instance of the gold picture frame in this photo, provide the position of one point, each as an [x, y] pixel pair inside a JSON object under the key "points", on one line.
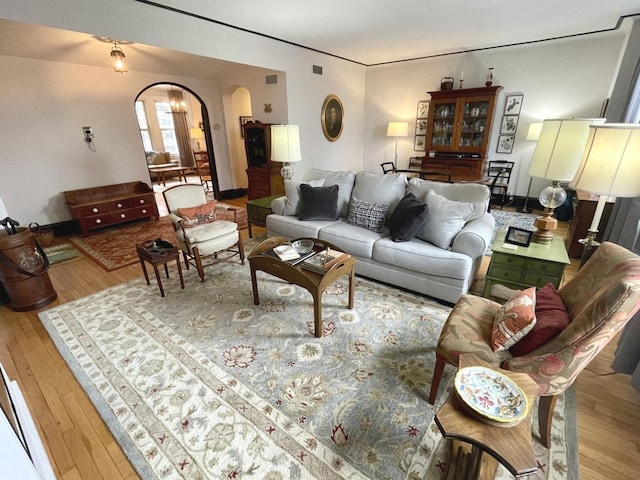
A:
{"points": [[332, 118]]}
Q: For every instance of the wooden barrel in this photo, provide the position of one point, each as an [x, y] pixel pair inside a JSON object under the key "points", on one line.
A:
{"points": [[23, 271]]}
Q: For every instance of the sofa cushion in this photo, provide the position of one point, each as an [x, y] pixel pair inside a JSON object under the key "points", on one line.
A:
{"points": [[379, 189], [444, 220], [458, 192], [318, 203], [344, 180], [357, 241], [367, 215], [407, 218], [290, 227], [292, 191], [514, 320], [551, 319], [194, 216], [158, 158]]}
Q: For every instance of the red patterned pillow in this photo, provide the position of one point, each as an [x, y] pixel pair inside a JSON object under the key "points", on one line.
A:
{"points": [[514, 320], [195, 216], [552, 319]]}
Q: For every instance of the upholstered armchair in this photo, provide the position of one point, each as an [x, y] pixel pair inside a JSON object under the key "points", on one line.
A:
{"points": [[198, 231], [599, 300]]}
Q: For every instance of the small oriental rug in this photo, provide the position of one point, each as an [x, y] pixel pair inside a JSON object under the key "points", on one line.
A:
{"points": [[60, 253], [203, 384], [116, 247]]}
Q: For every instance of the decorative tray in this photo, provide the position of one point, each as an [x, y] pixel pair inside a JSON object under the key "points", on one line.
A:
{"points": [[491, 396]]}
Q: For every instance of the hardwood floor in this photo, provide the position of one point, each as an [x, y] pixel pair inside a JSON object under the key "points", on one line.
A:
{"points": [[81, 447]]}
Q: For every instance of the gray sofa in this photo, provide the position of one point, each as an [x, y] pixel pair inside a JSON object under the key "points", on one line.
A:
{"points": [[443, 258]]}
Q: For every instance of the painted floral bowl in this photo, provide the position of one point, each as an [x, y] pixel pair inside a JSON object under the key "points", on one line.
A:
{"points": [[491, 395]]}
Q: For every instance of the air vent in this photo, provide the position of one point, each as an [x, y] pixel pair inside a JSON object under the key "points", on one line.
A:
{"points": [[271, 79], [317, 69]]}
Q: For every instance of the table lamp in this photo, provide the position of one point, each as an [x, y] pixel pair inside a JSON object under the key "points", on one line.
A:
{"points": [[285, 147], [556, 158], [610, 166], [397, 129], [196, 133]]}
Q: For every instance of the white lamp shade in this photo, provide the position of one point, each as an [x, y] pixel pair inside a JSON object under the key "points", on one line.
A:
{"points": [[560, 147], [196, 133], [611, 161], [398, 129], [285, 143], [534, 131]]}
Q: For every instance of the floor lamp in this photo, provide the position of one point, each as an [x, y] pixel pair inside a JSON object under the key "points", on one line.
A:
{"points": [[285, 147], [397, 129], [533, 134], [609, 167], [556, 158]]}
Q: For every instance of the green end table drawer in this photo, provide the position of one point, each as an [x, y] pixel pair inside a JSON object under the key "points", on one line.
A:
{"points": [[498, 273], [543, 267], [508, 260], [539, 280]]}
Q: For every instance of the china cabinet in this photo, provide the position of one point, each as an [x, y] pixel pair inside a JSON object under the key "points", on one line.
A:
{"points": [[459, 131], [263, 176]]}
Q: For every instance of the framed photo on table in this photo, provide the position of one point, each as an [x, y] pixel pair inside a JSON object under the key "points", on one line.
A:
{"points": [[519, 236]]}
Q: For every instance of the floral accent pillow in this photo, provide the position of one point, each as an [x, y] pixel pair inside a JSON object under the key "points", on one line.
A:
{"points": [[194, 216], [514, 320]]}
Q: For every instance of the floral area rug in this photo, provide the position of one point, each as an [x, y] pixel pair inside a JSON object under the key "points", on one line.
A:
{"points": [[506, 219], [202, 384], [115, 248]]}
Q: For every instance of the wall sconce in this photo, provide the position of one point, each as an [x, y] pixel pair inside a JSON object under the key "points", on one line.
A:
{"points": [[118, 55]]}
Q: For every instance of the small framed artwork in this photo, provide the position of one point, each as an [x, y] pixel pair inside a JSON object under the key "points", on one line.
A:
{"points": [[505, 143], [420, 143], [332, 116], [243, 121], [423, 109], [509, 124], [421, 126], [519, 236], [513, 104]]}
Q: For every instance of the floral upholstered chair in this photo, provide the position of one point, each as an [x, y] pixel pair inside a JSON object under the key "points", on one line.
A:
{"points": [[199, 232], [599, 300]]}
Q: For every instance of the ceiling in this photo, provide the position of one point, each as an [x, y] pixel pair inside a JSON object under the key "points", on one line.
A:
{"points": [[357, 30]]}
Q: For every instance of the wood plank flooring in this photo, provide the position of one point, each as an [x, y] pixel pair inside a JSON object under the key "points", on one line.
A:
{"points": [[81, 447]]}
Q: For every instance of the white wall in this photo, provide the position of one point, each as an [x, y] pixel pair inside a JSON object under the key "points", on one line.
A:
{"points": [[564, 78]]}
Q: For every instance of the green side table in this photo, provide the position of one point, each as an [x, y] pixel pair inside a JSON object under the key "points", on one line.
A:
{"points": [[523, 267], [257, 211]]}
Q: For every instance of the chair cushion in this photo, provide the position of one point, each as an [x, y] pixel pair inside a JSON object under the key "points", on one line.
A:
{"points": [[514, 320], [367, 215], [319, 203], [208, 231], [444, 220], [407, 218], [551, 319], [194, 216]]}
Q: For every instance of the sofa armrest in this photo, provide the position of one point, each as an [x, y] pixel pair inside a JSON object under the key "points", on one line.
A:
{"points": [[278, 204], [474, 239]]}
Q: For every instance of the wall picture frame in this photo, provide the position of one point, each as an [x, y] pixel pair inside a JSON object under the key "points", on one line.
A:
{"points": [[421, 126], [513, 104], [422, 110], [505, 143], [420, 143], [509, 124], [519, 236], [244, 120], [332, 118]]}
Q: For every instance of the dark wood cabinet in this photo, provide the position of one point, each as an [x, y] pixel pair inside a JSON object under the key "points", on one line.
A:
{"points": [[459, 131], [263, 176]]}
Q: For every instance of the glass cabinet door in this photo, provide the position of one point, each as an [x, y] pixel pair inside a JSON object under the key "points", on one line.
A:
{"points": [[443, 124], [474, 119]]}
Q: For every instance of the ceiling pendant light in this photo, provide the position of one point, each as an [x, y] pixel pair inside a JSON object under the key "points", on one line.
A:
{"points": [[118, 56]]}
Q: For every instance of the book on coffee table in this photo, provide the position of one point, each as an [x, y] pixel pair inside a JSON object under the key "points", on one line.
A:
{"points": [[324, 260], [288, 256]]}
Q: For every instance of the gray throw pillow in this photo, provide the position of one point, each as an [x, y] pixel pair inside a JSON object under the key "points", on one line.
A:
{"points": [[318, 203], [445, 220], [407, 219], [292, 191], [367, 215]]}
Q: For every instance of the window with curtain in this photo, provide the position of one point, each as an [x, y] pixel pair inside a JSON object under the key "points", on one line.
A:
{"points": [[143, 123], [167, 128]]}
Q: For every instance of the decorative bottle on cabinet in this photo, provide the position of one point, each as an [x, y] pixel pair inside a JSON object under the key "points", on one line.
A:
{"points": [[459, 131], [263, 176]]}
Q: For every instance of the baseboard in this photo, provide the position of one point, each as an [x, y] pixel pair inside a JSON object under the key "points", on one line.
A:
{"points": [[235, 193]]}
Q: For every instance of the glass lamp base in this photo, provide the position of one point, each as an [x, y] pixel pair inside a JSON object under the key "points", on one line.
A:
{"points": [[286, 171]]}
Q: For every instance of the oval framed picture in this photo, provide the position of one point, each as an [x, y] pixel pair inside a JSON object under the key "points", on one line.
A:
{"points": [[332, 118]]}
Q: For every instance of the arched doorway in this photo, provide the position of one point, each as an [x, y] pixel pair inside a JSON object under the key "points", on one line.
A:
{"points": [[169, 116]]}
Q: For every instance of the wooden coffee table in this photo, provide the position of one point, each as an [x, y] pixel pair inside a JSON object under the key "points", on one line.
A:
{"points": [[162, 173], [314, 283], [511, 446]]}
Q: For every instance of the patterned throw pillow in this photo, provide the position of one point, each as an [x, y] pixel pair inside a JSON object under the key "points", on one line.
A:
{"points": [[367, 215], [194, 216], [514, 320]]}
